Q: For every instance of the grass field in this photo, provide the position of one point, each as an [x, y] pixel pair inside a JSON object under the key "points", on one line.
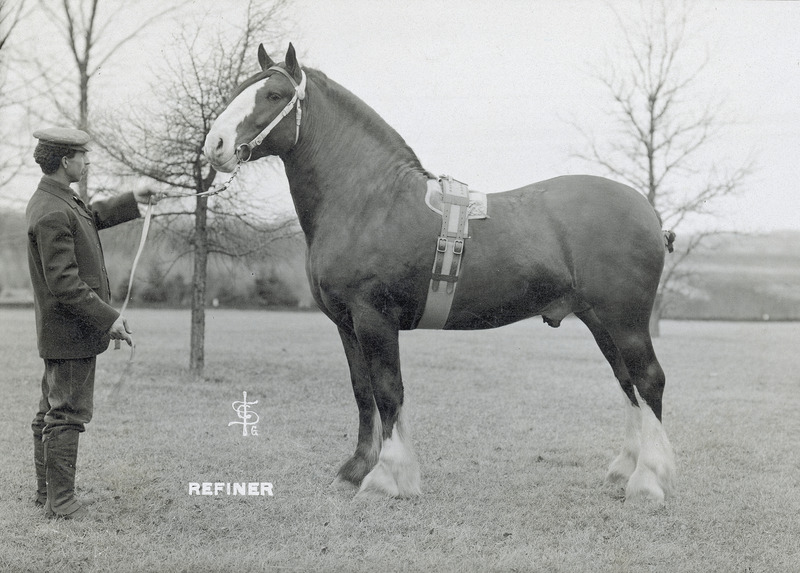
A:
{"points": [[514, 429]]}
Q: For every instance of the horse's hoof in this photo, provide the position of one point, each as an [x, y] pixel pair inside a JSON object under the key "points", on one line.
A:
{"points": [[643, 486], [364, 494], [379, 482], [341, 484], [616, 479], [383, 482], [620, 470]]}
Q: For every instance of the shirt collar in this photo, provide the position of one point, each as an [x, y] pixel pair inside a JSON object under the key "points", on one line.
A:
{"points": [[59, 189]]}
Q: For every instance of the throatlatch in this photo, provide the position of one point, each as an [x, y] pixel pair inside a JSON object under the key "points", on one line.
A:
{"points": [[449, 251]]}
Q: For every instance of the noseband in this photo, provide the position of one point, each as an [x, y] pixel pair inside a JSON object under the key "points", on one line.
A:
{"points": [[245, 150]]}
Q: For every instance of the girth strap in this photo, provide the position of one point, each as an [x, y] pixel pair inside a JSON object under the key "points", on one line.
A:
{"points": [[449, 252]]}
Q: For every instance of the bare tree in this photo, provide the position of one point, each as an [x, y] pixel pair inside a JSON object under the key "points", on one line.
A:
{"points": [[9, 18], [165, 148], [660, 132], [10, 156], [93, 32]]}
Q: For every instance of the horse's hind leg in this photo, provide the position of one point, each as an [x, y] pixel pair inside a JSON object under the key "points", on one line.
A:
{"points": [[655, 468], [624, 465], [646, 462], [370, 428]]}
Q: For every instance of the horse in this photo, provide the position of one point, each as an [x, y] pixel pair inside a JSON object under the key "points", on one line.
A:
{"points": [[575, 244]]}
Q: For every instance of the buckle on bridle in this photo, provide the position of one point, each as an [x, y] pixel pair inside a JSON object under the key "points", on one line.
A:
{"points": [[244, 152]]}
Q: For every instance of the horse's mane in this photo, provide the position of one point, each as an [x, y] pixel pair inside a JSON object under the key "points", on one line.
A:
{"points": [[362, 113]]}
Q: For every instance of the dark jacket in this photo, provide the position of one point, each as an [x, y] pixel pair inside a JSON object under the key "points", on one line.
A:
{"points": [[70, 285]]}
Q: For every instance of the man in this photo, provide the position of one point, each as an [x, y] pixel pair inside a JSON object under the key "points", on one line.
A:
{"points": [[74, 320]]}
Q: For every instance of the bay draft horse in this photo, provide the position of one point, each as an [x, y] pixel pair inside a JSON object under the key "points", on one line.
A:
{"points": [[574, 244]]}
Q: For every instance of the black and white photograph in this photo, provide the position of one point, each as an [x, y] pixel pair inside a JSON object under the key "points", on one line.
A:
{"points": [[434, 285]]}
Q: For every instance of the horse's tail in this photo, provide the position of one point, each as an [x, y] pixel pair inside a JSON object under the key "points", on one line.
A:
{"points": [[669, 238]]}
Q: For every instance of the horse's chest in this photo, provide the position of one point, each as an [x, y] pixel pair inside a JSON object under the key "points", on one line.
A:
{"points": [[368, 264]]}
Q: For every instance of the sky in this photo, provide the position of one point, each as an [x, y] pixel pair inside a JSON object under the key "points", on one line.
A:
{"points": [[485, 90]]}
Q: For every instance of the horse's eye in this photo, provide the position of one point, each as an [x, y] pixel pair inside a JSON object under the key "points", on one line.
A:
{"points": [[273, 96]]}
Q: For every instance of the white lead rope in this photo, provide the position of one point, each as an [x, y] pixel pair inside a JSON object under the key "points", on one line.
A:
{"points": [[148, 215], [145, 228]]}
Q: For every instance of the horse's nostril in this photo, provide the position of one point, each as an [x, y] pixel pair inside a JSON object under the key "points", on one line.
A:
{"points": [[219, 144]]}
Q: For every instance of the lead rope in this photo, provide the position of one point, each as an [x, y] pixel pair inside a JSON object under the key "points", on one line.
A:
{"points": [[145, 228], [208, 192], [148, 215]]}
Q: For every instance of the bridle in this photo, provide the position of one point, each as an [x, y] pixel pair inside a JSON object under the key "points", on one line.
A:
{"points": [[245, 150]]}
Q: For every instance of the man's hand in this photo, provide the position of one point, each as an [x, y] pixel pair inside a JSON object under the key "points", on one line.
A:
{"points": [[146, 196], [120, 331]]}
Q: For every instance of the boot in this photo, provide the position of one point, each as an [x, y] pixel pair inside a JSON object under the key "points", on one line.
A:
{"points": [[60, 455], [41, 473]]}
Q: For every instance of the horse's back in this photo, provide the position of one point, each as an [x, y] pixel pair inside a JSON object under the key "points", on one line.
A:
{"points": [[583, 213], [585, 196]]}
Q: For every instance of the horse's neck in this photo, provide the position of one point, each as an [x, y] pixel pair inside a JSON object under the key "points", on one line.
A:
{"points": [[348, 161]]}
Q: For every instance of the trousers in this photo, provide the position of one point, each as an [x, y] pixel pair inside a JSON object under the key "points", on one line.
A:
{"points": [[67, 399]]}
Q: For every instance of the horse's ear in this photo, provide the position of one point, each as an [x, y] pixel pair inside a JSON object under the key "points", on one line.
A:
{"points": [[263, 59], [292, 65]]}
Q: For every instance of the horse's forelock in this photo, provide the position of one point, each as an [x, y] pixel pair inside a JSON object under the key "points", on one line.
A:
{"points": [[255, 78]]}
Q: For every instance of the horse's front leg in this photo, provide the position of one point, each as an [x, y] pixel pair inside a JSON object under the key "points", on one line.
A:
{"points": [[370, 429], [396, 473]]}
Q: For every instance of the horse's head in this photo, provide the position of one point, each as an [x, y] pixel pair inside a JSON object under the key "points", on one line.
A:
{"points": [[252, 125]]}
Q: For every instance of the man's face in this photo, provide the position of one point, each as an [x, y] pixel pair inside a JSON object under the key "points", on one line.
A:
{"points": [[76, 166]]}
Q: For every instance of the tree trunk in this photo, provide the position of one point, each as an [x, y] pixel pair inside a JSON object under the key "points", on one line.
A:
{"points": [[198, 331], [83, 124]]}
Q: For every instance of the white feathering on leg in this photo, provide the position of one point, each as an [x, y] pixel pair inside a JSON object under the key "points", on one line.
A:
{"points": [[397, 472], [655, 469], [624, 465]]}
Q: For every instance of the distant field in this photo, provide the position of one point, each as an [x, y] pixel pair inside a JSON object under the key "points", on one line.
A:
{"points": [[742, 290], [746, 277], [513, 427]]}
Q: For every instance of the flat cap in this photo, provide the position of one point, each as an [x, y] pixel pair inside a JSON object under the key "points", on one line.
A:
{"points": [[63, 137]]}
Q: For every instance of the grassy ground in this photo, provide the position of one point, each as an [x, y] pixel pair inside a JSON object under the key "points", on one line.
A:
{"points": [[514, 429]]}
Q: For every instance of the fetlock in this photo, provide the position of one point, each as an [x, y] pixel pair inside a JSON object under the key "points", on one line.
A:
{"points": [[61, 454]]}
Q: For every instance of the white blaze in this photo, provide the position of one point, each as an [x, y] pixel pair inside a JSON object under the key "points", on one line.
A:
{"points": [[220, 144]]}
